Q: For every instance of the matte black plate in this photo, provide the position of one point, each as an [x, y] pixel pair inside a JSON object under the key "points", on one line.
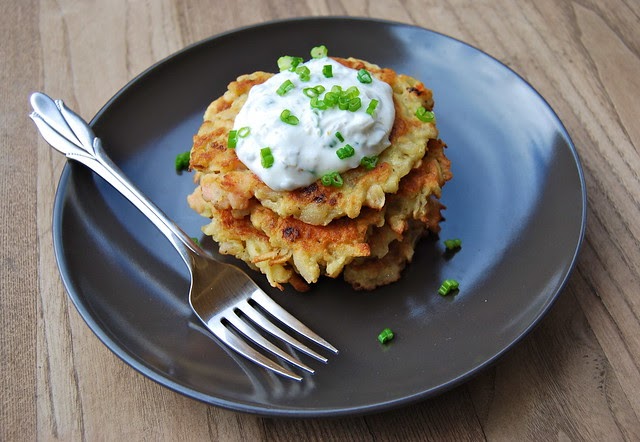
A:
{"points": [[517, 201]]}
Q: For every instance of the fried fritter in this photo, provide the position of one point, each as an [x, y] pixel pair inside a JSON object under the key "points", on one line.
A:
{"points": [[229, 185], [288, 250]]}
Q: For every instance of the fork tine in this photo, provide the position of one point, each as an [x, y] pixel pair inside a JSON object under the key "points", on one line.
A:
{"points": [[257, 317], [258, 339], [244, 349], [287, 318]]}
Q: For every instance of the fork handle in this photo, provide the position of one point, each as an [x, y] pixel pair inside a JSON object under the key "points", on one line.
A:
{"points": [[69, 134]]}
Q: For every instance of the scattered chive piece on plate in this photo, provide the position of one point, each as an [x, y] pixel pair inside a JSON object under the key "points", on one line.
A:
{"points": [[182, 160], [453, 244], [447, 286], [385, 336]]}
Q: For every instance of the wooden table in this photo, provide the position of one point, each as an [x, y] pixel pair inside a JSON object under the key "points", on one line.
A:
{"points": [[576, 377]]}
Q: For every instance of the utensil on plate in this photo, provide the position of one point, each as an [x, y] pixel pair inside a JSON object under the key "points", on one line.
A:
{"points": [[223, 297]]}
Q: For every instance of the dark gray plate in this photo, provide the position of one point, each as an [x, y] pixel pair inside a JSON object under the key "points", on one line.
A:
{"points": [[517, 201]]}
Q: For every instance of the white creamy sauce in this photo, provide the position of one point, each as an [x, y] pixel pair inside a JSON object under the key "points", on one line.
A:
{"points": [[303, 153]]}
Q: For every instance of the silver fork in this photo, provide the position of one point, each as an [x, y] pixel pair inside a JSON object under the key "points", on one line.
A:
{"points": [[225, 299]]}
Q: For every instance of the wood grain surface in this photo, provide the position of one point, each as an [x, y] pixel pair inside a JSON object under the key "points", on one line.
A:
{"points": [[575, 377]]}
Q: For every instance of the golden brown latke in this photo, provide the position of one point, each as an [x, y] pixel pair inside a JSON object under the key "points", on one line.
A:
{"points": [[287, 249], [227, 183]]}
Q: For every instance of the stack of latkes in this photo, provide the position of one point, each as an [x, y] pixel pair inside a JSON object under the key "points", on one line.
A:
{"points": [[366, 229]]}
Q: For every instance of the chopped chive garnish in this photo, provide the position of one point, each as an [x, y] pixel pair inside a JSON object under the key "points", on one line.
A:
{"points": [[453, 244], [243, 132], [288, 62], [304, 73], [316, 103], [355, 104], [232, 141], [327, 71], [345, 152], [326, 179], [310, 92], [343, 102], [447, 286], [364, 76], [332, 179], [285, 87], [331, 98], [340, 137], [385, 336], [319, 51], [266, 157], [369, 163], [286, 117], [196, 240], [372, 106], [182, 161], [337, 89], [352, 92], [424, 115], [313, 91]]}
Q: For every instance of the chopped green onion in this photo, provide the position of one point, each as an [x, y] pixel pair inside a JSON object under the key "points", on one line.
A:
{"points": [[243, 132], [452, 244], [331, 98], [332, 179], [337, 89], [319, 52], [326, 179], [286, 117], [343, 102], [304, 73], [196, 240], [316, 103], [352, 92], [182, 161], [340, 137], [266, 157], [424, 115], [310, 92], [285, 87], [313, 91], [327, 71], [369, 163], [372, 106], [355, 104], [345, 152], [232, 141], [447, 286], [385, 336], [364, 76], [288, 62]]}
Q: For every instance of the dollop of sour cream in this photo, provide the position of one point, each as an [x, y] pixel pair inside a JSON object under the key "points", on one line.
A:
{"points": [[304, 152]]}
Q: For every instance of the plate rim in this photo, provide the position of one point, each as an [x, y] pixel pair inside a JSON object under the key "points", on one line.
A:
{"points": [[133, 361]]}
